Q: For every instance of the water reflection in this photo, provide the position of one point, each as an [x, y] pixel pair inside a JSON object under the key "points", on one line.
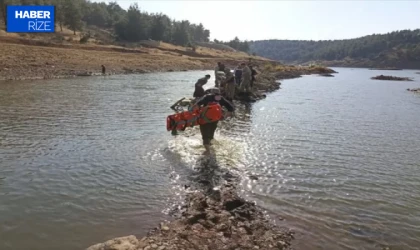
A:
{"points": [[241, 124]]}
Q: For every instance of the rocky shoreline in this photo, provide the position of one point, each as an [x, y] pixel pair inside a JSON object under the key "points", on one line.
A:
{"points": [[391, 78], [268, 80]]}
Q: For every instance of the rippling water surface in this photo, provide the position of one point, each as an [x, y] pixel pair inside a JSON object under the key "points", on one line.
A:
{"points": [[85, 160]]}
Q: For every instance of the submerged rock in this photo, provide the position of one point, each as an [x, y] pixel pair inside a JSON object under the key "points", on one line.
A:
{"points": [[327, 75], [414, 90], [84, 74], [391, 78], [122, 243]]}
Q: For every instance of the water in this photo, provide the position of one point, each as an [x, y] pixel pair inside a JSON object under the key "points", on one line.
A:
{"points": [[86, 160]]}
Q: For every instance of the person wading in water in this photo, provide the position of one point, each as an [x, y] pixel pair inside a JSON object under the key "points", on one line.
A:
{"points": [[199, 90], [207, 130]]}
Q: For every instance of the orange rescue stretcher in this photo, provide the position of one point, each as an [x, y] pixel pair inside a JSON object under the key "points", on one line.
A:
{"points": [[190, 118]]}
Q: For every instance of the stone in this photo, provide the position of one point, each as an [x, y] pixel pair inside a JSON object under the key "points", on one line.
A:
{"points": [[122, 243], [281, 243]]}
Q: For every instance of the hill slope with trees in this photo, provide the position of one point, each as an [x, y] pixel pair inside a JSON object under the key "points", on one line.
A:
{"points": [[130, 25], [395, 49], [89, 34]]}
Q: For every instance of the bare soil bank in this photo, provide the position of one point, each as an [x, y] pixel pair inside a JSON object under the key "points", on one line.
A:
{"points": [[35, 59], [22, 58]]}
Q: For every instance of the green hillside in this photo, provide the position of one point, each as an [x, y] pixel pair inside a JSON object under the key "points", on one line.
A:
{"points": [[396, 49], [132, 25]]}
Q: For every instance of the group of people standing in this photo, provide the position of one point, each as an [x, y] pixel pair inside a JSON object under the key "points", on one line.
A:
{"points": [[240, 80], [226, 84]]}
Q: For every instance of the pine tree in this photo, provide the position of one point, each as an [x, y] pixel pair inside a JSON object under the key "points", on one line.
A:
{"points": [[181, 36], [158, 28], [73, 15]]}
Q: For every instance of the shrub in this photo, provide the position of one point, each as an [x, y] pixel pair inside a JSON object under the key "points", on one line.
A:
{"points": [[85, 37]]}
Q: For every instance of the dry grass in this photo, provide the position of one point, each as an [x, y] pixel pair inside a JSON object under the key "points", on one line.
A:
{"points": [[47, 56]]}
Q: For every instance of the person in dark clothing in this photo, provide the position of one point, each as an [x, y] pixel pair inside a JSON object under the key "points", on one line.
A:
{"points": [[207, 130], [199, 90], [103, 69], [222, 67], [238, 75], [253, 74]]}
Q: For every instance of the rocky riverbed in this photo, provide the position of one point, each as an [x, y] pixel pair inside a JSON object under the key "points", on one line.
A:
{"points": [[211, 219]]}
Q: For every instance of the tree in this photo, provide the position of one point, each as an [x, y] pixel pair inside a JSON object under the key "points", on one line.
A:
{"points": [[198, 33], [120, 29], [135, 29], [234, 43], [237, 44], [98, 15], [394, 48], [60, 13], [206, 35], [3, 10], [181, 36], [73, 15], [116, 13], [243, 46], [129, 25], [158, 28]]}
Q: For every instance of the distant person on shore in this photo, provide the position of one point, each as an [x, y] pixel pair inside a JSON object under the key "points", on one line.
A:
{"points": [[199, 90], [103, 69], [238, 75], [246, 78], [229, 85], [253, 74], [219, 67]]}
